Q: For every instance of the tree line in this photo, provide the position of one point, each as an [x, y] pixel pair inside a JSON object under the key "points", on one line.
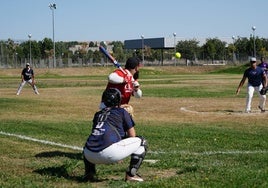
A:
{"points": [[212, 50]]}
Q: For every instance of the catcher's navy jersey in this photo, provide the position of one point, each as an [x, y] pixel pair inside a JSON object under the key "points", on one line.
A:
{"points": [[27, 73], [109, 126], [254, 76]]}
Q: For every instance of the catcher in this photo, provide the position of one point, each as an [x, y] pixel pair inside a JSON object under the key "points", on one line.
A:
{"points": [[257, 80], [127, 83], [113, 138], [27, 76]]}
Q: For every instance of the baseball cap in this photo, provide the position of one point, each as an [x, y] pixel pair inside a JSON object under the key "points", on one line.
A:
{"points": [[132, 63], [253, 59], [27, 64]]}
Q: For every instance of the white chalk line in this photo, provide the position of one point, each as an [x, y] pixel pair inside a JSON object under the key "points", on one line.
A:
{"points": [[56, 144], [226, 112], [42, 141], [228, 152]]}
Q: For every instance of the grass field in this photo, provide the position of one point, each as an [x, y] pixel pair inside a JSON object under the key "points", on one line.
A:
{"points": [[194, 123]]}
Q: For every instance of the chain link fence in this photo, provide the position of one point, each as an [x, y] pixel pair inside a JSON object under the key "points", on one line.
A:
{"points": [[14, 62]]}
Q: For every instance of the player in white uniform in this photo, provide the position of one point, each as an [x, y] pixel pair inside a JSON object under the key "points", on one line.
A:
{"points": [[113, 138], [27, 76]]}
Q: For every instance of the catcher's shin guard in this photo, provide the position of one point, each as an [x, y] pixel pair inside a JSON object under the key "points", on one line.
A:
{"points": [[136, 159], [135, 164]]}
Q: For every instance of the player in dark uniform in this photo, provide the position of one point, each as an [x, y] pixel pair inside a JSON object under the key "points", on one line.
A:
{"points": [[113, 138], [264, 65], [27, 76], [257, 79]]}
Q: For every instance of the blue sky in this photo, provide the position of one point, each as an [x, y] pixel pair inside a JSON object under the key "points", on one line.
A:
{"points": [[112, 20]]}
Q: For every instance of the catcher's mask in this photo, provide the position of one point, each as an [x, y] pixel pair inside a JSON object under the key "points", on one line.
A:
{"points": [[111, 97]]}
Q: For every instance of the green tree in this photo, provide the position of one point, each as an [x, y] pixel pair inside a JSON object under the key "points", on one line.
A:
{"points": [[242, 48], [97, 56], [188, 48], [46, 47], [263, 51], [118, 50], [91, 44], [214, 49]]}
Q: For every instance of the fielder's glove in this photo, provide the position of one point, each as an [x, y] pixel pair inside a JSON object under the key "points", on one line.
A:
{"points": [[263, 91], [128, 108]]}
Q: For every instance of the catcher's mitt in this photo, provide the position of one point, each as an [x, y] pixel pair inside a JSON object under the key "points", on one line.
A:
{"points": [[263, 91], [128, 108]]}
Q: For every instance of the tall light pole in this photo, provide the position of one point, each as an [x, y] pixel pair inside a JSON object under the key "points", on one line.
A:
{"points": [[142, 48], [254, 46], [174, 35], [30, 36], [16, 60], [234, 56], [53, 7]]}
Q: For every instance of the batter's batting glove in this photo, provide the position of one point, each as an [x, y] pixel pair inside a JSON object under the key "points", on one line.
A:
{"points": [[136, 84], [263, 91]]}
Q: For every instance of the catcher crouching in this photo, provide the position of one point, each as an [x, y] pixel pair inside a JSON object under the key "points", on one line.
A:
{"points": [[113, 138]]}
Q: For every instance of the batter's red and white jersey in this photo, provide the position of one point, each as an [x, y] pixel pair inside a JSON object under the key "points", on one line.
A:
{"points": [[124, 84]]}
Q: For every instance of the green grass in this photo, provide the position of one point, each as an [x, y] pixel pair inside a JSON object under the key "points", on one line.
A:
{"points": [[193, 150]]}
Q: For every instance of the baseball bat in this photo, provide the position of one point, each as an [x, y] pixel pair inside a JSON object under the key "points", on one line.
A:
{"points": [[111, 58]]}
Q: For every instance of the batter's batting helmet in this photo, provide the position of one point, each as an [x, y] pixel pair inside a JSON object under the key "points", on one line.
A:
{"points": [[132, 63], [111, 97]]}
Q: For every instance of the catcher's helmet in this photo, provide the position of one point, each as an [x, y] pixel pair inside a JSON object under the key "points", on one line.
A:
{"points": [[111, 97]]}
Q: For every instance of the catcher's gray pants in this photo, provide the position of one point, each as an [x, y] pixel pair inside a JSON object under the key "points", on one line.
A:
{"points": [[30, 83], [250, 90]]}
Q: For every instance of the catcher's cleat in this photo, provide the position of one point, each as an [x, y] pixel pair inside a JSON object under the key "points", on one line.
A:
{"points": [[134, 178], [262, 110], [90, 178]]}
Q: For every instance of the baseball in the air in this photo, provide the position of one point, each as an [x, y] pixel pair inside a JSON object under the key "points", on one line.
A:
{"points": [[178, 55]]}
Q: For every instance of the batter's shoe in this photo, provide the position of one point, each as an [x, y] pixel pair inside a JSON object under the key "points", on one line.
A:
{"points": [[262, 110], [136, 178]]}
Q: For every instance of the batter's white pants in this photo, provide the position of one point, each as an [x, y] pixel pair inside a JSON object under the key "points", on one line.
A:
{"points": [[30, 83], [262, 98], [116, 151]]}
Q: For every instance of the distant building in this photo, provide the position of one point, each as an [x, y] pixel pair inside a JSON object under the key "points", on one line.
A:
{"points": [[85, 47]]}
